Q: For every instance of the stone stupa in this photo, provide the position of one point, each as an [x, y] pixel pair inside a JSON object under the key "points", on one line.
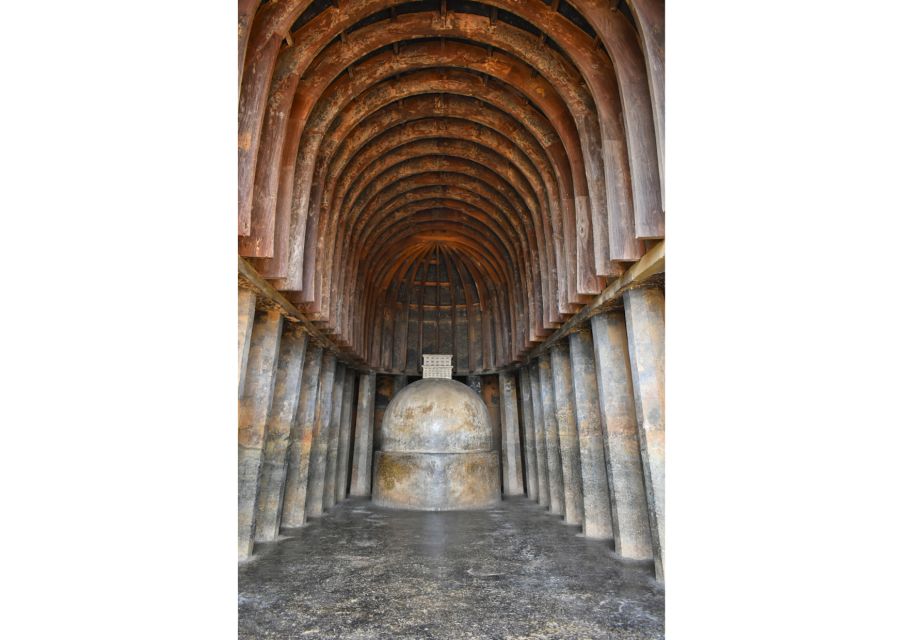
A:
{"points": [[436, 450]]}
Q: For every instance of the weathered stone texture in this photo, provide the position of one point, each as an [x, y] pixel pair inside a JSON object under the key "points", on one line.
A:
{"points": [[436, 481], [645, 328], [436, 415], [437, 450], [562, 380], [552, 439], [295, 499], [539, 425], [253, 410], [247, 299], [529, 434], [320, 444], [344, 439], [334, 438], [361, 478], [510, 436], [286, 394], [596, 501], [629, 508], [491, 395]]}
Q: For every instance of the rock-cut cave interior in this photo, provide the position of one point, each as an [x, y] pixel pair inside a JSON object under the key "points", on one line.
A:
{"points": [[451, 319]]}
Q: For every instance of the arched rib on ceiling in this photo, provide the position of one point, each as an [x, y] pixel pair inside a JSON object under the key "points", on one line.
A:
{"points": [[509, 152]]}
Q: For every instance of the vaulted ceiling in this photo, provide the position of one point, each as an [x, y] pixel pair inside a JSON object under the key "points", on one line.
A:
{"points": [[448, 176]]}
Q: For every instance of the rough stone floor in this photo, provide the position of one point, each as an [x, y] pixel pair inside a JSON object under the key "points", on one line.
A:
{"points": [[510, 572]]}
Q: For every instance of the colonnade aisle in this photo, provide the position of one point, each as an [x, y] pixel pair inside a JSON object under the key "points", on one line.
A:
{"points": [[512, 571]]}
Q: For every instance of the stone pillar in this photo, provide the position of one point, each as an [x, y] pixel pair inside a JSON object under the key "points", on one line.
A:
{"points": [[529, 434], [247, 299], [644, 310], [253, 410], [562, 380], [539, 425], [486, 386], [278, 431], [295, 499], [552, 440], [596, 503], [334, 427], [320, 446], [344, 437], [511, 466], [361, 476], [629, 510]]}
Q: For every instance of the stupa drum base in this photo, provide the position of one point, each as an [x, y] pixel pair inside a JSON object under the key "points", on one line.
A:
{"points": [[436, 481]]}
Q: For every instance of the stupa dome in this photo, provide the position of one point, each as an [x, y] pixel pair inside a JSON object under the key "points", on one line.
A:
{"points": [[436, 415]]}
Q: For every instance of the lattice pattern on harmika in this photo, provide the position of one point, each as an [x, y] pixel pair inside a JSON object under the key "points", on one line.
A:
{"points": [[437, 365]]}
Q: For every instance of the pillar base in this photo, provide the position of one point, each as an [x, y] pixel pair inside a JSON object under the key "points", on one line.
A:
{"points": [[436, 481]]}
